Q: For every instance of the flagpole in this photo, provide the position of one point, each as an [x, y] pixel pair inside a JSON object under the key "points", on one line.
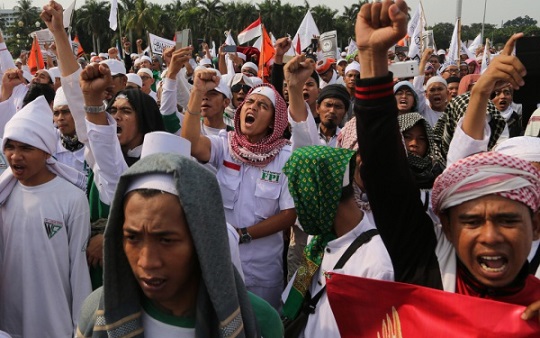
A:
{"points": [[121, 52], [484, 20], [458, 16]]}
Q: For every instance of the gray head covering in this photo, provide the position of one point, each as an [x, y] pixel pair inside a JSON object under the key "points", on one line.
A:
{"points": [[223, 307]]}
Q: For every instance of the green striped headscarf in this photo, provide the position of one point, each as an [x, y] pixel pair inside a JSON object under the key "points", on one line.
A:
{"points": [[315, 176]]}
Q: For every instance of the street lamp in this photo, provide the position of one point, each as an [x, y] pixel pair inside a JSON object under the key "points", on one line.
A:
{"points": [[38, 24], [20, 23]]}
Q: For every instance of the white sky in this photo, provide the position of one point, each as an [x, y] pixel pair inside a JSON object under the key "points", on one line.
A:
{"points": [[435, 10]]}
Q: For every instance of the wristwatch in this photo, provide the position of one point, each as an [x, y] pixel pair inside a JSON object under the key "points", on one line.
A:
{"points": [[245, 237], [94, 109]]}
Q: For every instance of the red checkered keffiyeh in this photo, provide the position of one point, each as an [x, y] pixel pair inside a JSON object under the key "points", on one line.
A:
{"points": [[485, 174], [261, 153]]}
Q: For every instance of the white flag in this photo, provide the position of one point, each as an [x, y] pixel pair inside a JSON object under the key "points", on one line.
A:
{"points": [[229, 41], [415, 29], [68, 13], [307, 31], [113, 22], [476, 43], [453, 52], [352, 47], [486, 58]]}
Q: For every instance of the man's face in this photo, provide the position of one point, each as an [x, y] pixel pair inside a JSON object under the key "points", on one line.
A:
{"points": [[341, 67], [453, 89], [156, 65], [437, 94], [350, 78], [416, 140], [160, 251], [450, 71], [213, 103], [256, 117], [147, 82], [63, 120], [118, 83], [310, 91], [127, 124], [249, 72], [463, 70], [42, 77], [239, 91], [331, 111], [503, 98], [28, 163], [146, 64], [327, 76], [492, 236], [405, 100], [434, 60]]}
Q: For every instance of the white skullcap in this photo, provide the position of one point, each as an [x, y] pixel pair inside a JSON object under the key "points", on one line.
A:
{"points": [[256, 80], [205, 61], [265, 91], [352, 66], [223, 88], [135, 79], [27, 75], [250, 65], [146, 71], [116, 67], [436, 79], [54, 72], [103, 55], [164, 142], [242, 56], [33, 125], [524, 147], [239, 77], [163, 182], [60, 98], [145, 58]]}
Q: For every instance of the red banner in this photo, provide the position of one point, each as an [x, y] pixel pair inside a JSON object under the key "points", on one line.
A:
{"points": [[378, 309]]}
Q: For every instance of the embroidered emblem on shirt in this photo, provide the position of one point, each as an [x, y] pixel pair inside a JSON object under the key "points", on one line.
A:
{"points": [[270, 176], [52, 227], [3, 163]]}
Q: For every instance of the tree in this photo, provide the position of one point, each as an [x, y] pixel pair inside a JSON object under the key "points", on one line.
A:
{"points": [[442, 33], [93, 18], [525, 21]]}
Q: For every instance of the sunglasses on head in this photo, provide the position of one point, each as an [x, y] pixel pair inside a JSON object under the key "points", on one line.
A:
{"points": [[236, 88]]}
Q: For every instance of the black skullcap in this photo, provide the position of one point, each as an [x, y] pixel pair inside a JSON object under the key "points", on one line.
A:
{"points": [[335, 91], [453, 79]]}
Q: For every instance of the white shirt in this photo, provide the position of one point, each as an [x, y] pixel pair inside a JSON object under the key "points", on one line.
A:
{"points": [[251, 195], [155, 328], [305, 133], [44, 276], [371, 260]]}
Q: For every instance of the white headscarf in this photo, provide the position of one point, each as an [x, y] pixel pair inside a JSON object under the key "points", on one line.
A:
{"points": [[33, 125]]}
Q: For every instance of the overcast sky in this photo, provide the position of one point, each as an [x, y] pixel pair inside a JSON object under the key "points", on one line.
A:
{"points": [[435, 10]]}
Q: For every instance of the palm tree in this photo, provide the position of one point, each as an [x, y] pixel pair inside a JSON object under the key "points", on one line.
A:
{"points": [[143, 18], [213, 10], [93, 18]]}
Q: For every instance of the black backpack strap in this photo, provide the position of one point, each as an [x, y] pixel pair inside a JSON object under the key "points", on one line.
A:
{"points": [[364, 238]]}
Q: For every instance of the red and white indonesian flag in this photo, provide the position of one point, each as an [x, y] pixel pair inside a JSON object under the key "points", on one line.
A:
{"points": [[372, 308], [251, 32]]}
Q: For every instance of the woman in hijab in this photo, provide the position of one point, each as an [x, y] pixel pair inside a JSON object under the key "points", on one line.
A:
{"points": [[249, 162]]}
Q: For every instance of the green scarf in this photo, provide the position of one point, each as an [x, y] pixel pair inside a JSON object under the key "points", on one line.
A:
{"points": [[315, 176]]}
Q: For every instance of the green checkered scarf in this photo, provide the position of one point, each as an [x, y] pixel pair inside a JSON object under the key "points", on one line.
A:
{"points": [[315, 176]]}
